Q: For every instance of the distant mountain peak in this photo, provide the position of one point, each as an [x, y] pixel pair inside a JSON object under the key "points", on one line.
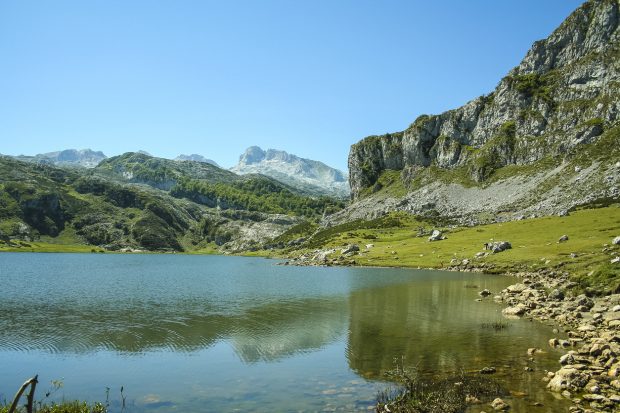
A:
{"points": [[313, 176], [252, 155], [68, 157], [196, 158]]}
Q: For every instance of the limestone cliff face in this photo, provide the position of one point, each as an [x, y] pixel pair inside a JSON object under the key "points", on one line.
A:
{"points": [[565, 92]]}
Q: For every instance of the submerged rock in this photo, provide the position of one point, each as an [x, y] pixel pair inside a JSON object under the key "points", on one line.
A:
{"points": [[499, 404]]}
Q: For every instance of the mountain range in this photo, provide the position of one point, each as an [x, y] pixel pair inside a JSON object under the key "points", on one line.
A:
{"points": [[136, 201], [545, 141], [311, 176], [86, 158]]}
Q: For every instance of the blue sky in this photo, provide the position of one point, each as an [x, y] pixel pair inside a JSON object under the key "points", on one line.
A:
{"points": [[214, 77]]}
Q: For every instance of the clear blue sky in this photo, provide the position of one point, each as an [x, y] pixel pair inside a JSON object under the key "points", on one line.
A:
{"points": [[214, 77]]}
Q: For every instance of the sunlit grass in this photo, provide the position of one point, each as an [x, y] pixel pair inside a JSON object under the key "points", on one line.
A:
{"points": [[534, 244]]}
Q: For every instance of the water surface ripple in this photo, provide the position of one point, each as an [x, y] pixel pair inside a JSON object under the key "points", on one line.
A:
{"points": [[212, 333]]}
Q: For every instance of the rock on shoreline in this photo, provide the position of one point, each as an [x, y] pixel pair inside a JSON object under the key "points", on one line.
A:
{"points": [[589, 373]]}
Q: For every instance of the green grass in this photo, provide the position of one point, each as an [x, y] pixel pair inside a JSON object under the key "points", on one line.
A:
{"points": [[64, 407], [389, 183], [534, 244], [38, 246]]}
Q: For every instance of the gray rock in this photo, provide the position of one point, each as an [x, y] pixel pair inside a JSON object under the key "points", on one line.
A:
{"points": [[616, 241], [436, 236], [568, 378], [516, 288], [488, 370], [563, 238], [519, 309], [500, 246], [499, 404], [556, 294], [349, 249]]}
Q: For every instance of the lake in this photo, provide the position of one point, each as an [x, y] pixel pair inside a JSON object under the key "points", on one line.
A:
{"points": [[186, 333]]}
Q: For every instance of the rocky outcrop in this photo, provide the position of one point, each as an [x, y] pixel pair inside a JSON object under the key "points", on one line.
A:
{"points": [[563, 94], [313, 177]]}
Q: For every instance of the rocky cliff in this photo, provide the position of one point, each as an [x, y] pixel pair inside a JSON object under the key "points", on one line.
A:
{"points": [[313, 177], [561, 101]]}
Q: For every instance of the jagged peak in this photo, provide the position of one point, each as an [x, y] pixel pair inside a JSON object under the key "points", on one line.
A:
{"points": [[589, 28]]}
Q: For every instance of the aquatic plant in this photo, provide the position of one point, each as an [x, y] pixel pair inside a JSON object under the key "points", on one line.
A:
{"points": [[496, 325], [417, 394]]}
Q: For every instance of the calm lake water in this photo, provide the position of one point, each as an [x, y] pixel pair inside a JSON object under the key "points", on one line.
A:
{"points": [[226, 334]]}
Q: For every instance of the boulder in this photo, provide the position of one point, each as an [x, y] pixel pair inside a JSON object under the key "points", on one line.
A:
{"points": [[556, 294], [616, 241], [568, 378], [500, 246], [350, 248], [563, 238], [518, 309], [436, 235], [516, 288], [499, 404], [485, 293]]}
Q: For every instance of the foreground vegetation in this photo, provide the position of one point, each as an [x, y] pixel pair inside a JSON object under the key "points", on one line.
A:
{"points": [[25, 402], [449, 395], [64, 407]]}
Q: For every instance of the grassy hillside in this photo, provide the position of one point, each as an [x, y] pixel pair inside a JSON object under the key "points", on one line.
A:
{"points": [[137, 201], [401, 240]]}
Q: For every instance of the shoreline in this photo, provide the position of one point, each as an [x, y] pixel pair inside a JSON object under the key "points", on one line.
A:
{"points": [[588, 373]]}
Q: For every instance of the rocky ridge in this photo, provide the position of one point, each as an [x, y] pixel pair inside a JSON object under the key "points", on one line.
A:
{"points": [[137, 202], [86, 158], [311, 176], [196, 158], [544, 124]]}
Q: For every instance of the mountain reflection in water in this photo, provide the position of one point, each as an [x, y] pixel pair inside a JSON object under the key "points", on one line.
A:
{"points": [[301, 336]]}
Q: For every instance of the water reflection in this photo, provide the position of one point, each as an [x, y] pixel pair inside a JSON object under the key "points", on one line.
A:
{"points": [[263, 333], [268, 335]]}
